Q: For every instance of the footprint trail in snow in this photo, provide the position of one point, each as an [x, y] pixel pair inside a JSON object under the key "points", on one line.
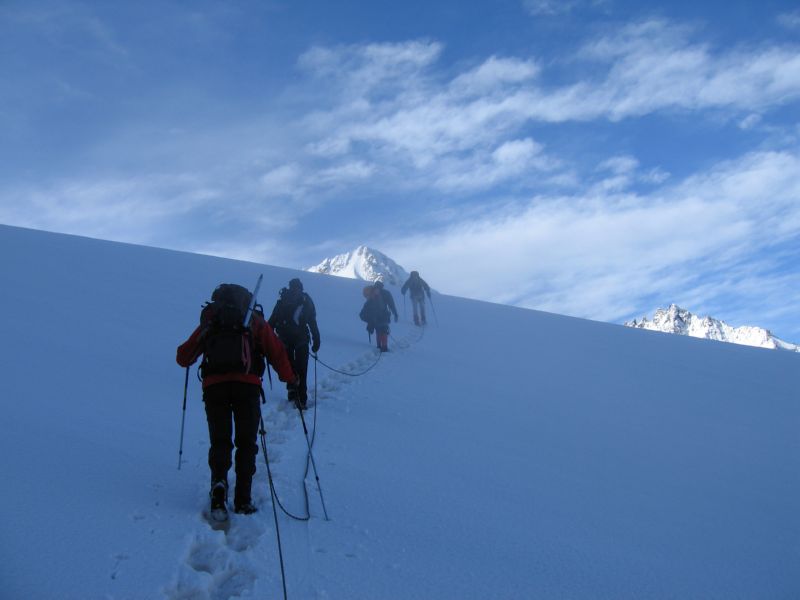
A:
{"points": [[244, 562]]}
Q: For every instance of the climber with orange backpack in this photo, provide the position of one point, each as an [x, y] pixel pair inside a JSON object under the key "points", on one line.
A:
{"points": [[376, 313]]}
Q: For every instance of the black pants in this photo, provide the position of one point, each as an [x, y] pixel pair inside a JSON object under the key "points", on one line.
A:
{"points": [[298, 357], [418, 304], [227, 404]]}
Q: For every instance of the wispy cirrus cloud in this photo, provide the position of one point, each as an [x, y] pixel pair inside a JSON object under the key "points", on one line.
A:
{"points": [[106, 208], [551, 8], [391, 116], [790, 20], [395, 105], [66, 23]]}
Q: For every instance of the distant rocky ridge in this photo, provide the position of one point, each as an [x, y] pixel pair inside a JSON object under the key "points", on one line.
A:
{"points": [[363, 263], [682, 322]]}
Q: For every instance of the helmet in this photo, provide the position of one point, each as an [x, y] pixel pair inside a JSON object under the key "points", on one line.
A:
{"points": [[296, 284]]}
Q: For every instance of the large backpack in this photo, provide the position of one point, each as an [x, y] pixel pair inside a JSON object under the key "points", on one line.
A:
{"points": [[228, 346], [289, 319], [374, 310]]}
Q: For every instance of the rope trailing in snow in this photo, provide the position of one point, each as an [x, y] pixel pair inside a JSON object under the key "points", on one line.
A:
{"points": [[310, 456], [310, 439], [313, 432], [404, 344], [364, 372], [273, 493]]}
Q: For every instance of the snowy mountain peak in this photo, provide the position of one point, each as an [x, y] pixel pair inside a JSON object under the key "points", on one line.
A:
{"points": [[363, 263], [678, 320]]}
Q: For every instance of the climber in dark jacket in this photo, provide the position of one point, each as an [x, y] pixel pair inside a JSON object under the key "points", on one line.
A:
{"points": [[387, 297], [375, 313], [294, 319], [418, 289]]}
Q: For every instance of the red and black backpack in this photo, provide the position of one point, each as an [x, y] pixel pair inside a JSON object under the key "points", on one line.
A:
{"points": [[228, 345]]}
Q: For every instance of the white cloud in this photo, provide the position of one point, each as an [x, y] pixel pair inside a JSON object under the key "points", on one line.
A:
{"points": [[598, 254], [750, 121], [494, 72], [349, 172], [654, 66], [329, 147], [655, 176], [790, 20], [549, 7], [624, 171], [390, 118], [619, 165], [55, 22], [282, 181], [360, 69], [110, 208], [480, 171], [392, 107], [516, 153]]}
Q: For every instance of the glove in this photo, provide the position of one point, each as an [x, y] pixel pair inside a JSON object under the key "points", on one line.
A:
{"points": [[315, 347]]}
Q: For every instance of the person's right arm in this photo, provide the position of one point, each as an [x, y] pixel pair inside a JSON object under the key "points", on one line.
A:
{"points": [[189, 350]]}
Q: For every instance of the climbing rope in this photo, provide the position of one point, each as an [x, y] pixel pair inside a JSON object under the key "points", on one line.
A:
{"points": [[275, 501], [311, 436], [364, 372], [273, 491], [404, 344]]}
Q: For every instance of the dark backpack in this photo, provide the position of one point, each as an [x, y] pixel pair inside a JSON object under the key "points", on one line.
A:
{"points": [[228, 346], [289, 319], [375, 311]]}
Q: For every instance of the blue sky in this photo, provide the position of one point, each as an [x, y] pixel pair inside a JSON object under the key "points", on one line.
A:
{"points": [[593, 158]]}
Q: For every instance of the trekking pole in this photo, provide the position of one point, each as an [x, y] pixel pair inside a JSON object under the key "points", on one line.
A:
{"points": [[183, 417], [316, 360], [435, 316], [313, 462], [273, 495]]}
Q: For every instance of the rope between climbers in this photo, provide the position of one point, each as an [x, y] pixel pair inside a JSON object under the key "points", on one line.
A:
{"points": [[364, 372], [310, 439]]}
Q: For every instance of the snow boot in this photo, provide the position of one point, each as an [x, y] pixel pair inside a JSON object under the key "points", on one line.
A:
{"points": [[244, 508], [219, 499], [293, 394], [383, 342]]}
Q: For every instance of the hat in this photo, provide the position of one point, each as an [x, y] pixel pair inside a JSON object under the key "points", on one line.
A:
{"points": [[296, 284]]}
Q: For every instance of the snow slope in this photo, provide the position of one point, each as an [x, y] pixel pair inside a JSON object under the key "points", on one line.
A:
{"points": [[682, 322], [503, 453]]}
